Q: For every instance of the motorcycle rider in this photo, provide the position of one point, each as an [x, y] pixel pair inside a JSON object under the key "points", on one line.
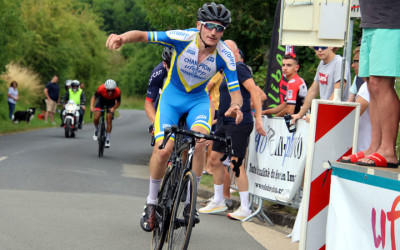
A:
{"points": [[108, 96], [78, 96]]}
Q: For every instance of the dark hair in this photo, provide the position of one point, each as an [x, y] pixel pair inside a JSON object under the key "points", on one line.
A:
{"points": [[288, 56], [16, 84]]}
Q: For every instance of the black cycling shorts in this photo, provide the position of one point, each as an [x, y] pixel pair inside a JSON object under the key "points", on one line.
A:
{"points": [[103, 103]]}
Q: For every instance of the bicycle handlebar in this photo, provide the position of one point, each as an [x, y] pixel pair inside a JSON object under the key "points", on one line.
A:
{"points": [[197, 135]]}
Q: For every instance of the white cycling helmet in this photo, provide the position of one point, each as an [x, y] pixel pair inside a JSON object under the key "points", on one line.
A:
{"points": [[110, 84]]}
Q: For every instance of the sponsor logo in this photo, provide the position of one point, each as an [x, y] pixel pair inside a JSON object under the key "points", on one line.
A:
{"points": [[191, 51], [230, 57], [391, 216], [190, 61], [201, 117], [323, 78], [211, 59], [166, 126], [178, 33]]}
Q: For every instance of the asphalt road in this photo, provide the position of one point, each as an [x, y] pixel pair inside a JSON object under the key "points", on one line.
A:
{"points": [[55, 193]]}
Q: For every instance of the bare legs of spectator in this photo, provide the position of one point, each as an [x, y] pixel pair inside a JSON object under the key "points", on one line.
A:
{"points": [[385, 114]]}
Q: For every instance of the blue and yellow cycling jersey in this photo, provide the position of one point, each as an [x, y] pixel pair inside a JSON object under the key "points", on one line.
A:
{"points": [[186, 72]]}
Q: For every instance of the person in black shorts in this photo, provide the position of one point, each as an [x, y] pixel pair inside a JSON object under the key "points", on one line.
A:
{"points": [[107, 96], [240, 137]]}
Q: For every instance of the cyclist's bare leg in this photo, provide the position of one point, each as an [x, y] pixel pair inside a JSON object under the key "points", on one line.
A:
{"points": [[217, 167], [96, 118], [109, 122], [199, 157], [159, 159]]}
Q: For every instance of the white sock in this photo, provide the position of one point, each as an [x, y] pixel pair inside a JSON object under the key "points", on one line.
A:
{"points": [[244, 200], [96, 128], [108, 136], [154, 185], [218, 193]]}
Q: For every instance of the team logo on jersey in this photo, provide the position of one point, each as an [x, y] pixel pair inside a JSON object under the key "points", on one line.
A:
{"points": [[178, 34], [211, 59], [323, 78], [191, 51], [289, 94]]}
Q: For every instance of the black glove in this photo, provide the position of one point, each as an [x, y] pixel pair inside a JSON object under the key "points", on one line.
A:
{"points": [[151, 128]]}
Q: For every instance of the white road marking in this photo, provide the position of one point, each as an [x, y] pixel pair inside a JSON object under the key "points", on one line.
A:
{"points": [[3, 158]]}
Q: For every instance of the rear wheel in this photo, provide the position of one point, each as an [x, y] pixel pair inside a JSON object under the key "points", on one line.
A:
{"points": [[163, 210], [68, 128], [183, 213]]}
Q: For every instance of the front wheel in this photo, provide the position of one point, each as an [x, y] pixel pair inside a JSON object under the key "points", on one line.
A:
{"points": [[183, 213], [101, 138], [68, 128]]}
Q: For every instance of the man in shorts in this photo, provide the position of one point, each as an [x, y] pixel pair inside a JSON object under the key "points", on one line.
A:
{"points": [[107, 96], [380, 63], [240, 134], [198, 55], [52, 93]]}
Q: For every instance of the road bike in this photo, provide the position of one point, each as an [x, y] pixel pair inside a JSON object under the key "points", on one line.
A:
{"points": [[101, 135], [176, 209]]}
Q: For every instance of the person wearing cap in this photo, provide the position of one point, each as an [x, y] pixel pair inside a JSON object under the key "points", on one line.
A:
{"points": [[199, 55], [296, 88]]}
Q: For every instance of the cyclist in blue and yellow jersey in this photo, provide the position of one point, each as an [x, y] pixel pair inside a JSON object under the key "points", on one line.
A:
{"points": [[198, 55]]}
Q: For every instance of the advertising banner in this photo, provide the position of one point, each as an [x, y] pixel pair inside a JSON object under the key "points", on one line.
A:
{"points": [[364, 211], [276, 161]]}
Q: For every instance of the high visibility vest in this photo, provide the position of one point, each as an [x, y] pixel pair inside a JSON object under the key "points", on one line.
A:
{"points": [[75, 96]]}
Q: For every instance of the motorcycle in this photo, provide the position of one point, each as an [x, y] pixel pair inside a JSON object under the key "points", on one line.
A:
{"points": [[71, 118]]}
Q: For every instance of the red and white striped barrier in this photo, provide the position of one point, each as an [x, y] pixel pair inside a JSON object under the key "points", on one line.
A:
{"points": [[333, 129]]}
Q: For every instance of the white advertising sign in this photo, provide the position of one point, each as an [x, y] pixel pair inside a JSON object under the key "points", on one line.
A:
{"points": [[276, 161], [364, 212]]}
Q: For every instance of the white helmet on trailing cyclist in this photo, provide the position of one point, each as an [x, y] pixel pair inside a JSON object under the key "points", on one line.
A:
{"points": [[68, 84], [110, 84], [75, 85]]}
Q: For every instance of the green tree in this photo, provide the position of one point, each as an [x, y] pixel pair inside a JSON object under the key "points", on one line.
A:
{"points": [[11, 29]]}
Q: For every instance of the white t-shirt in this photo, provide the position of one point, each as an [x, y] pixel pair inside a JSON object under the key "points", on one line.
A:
{"points": [[364, 129], [328, 74]]}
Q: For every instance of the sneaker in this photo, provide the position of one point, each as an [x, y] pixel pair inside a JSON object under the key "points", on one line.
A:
{"points": [[186, 214], [148, 217], [95, 135], [107, 144], [213, 208], [239, 214]]}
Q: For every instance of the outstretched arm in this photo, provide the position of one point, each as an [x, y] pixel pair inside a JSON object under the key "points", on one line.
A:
{"points": [[115, 41]]}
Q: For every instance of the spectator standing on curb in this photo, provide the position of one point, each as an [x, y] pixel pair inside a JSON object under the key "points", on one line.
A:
{"points": [[380, 63], [326, 79], [240, 137], [52, 92], [12, 98], [296, 88]]}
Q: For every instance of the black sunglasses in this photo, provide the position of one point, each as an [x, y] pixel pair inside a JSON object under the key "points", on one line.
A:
{"points": [[355, 61], [211, 26], [322, 48], [111, 90]]}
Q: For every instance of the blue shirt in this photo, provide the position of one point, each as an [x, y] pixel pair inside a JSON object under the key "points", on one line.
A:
{"points": [[186, 73], [53, 90]]}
